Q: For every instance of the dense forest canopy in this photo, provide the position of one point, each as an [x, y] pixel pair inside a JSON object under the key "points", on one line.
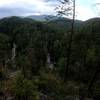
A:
{"points": [[33, 55]]}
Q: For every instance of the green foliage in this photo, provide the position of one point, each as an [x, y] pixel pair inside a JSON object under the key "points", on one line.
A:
{"points": [[4, 47], [61, 66], [34, 41], [54, 88], [24, 89]]}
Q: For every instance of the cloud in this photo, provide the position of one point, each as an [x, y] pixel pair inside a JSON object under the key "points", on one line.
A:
{"points": [[29, 7], [14, 11], [84, 13], [97, 1], [26, 7]]}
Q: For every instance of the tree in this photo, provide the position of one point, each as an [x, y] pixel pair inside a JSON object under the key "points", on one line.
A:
{"points": [[4, 49], [67, 8], [24, 89]]}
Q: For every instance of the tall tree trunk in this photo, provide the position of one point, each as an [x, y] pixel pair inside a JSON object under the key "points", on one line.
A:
{"points": [[70, 43]]}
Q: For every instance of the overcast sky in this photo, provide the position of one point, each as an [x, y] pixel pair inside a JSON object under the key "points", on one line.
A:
{"points": [[85, 9]]}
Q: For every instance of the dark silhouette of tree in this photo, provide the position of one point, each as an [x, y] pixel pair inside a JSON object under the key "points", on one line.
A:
{"points": [[67, 8]]}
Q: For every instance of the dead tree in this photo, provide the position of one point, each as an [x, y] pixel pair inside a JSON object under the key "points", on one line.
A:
{"points": [[67, 8]]}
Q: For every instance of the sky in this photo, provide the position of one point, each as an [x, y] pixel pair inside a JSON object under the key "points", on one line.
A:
{"points": [[85, 9]]}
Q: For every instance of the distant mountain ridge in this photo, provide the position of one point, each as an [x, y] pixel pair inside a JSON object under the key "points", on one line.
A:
{"points": [[60, 24], [42, 17]]}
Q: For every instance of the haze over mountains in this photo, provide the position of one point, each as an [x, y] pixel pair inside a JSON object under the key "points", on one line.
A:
{"points": [[48, 17], [42, 17], [52, 17]]}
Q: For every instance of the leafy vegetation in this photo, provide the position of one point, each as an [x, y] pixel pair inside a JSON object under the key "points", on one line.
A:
{"points": [[27, 45]]}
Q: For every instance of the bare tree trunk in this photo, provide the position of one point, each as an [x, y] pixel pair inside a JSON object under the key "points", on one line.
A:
{"points": [[70, 44]]}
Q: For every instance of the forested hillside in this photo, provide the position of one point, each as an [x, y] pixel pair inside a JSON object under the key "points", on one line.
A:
{"points": [[33, 59]]}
